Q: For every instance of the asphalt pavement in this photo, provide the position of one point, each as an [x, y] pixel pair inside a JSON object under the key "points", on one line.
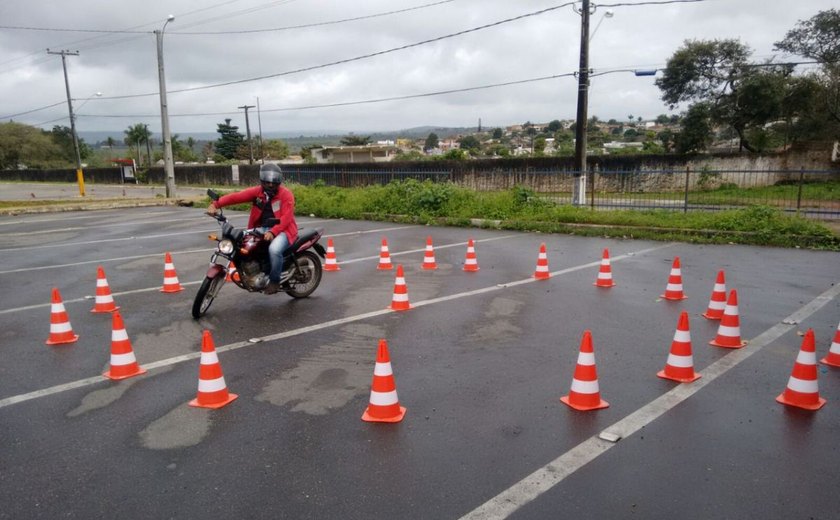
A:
{"points": [[480, 362]]}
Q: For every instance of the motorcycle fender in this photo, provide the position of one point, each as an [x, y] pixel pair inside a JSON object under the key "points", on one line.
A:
{"points": [[215, 270], [319, 249]]}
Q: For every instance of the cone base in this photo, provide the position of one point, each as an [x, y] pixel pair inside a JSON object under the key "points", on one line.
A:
{"points": [[663, 375], [604, 285], [429, 267], [103, 311], [400, 307], [713, 315], [715, 343], [171, 290], [195, 403], [831, 360], [542, 276], [74, 339], [331, 268], [673, 298], [601, 404], [396, 418], [470, 269], [385, 267], [139, 371], [814, 406]]}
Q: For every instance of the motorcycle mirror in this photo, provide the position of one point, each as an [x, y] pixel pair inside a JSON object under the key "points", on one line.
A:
{"points": [[212, 194]]}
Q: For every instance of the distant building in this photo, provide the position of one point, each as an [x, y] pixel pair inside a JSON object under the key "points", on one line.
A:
{"points": [[354, 154]]}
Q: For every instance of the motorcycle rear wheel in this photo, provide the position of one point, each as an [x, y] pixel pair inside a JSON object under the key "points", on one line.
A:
{"points": [[206, 294], [308, 275]]}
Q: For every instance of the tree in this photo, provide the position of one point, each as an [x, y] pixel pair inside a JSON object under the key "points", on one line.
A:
{"points": [[470, 143], [355, 140], [817, 38], [229, 140], [554, 125], [539, 145], [26, 146], [498, 134], [431, 143], [275, 149], [696, 130], [135, 136], [662, 119], [63, 137]]}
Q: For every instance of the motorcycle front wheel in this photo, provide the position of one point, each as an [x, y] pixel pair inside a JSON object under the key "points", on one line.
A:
{"points": [[307, 277], [206, 294]]}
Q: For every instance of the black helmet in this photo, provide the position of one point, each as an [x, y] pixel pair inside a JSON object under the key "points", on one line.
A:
{"points": [[271, 173]]}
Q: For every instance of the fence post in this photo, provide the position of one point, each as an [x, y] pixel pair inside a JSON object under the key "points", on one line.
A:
{"points": [[592, 188], [799, 190], [685, 195]]}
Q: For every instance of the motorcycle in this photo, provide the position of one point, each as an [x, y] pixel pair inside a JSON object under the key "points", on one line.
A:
{"points": [[248, 251]]}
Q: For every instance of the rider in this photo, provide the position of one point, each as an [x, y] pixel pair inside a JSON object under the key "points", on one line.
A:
{"points": [[269, 200]]}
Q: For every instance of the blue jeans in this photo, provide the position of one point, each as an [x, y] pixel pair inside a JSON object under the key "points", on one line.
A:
{"points": [[275, 253]]}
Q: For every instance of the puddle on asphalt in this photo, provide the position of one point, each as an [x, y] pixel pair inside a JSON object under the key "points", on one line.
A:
{"points": [[182, 427], [498, 326]]}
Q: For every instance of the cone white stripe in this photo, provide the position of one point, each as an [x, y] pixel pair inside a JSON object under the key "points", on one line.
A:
{"points": [[119, 335], [399, 281], [675, 272], [170, 280], [586, 359], [584, 387], [107, 298], [719, 288], [804, 386], [171, 267], [60, 327], [57, 307], [400, 297], [383, 369], [682, 336], [383, 398], [604, 276], [209, 358], [725, 330], [806, 358], [211, 385], [717, 305], [680, 361], [732, 310], [101, 282], [674, 287], [123, 359]]}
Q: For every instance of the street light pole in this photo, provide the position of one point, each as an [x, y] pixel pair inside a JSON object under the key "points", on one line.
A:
{"points": [[80, 177], [168, 163], [248, 133], [579, 182]]}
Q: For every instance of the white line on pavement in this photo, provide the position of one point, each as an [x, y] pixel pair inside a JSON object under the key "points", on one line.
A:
{"points": [[508, 501], [304, 330]]}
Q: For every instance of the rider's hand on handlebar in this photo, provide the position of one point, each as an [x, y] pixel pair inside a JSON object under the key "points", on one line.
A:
{"points": [[268, 236], [212, 209]]}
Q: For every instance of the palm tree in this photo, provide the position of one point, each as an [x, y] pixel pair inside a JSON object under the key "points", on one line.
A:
{"points": [[136, 135]]}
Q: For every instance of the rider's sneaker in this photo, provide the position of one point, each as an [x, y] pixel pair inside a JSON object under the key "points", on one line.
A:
{"points": [[272, 287]]}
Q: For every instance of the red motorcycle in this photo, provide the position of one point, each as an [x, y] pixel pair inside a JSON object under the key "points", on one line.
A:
{"points": [[248, 251]]}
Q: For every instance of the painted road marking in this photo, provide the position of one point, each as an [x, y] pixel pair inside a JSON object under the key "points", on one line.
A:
{"points": [[304, 330], [531, 487]]}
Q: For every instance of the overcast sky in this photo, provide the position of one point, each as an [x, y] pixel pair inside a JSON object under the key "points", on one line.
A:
{"points": [[124, 63]]}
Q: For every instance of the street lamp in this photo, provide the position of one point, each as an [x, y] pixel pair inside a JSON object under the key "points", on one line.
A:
{"points": [[607, 14], [168, 164]]}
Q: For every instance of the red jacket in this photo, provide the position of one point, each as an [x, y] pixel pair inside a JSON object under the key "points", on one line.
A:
{"points": [[283, 204]]}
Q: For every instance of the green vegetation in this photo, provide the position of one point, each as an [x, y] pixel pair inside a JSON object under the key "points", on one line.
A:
{"points": [[520, 209]]}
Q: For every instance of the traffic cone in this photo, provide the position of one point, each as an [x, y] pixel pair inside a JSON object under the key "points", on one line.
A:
{"points": [[330, 262], [384, 257], [384, 405], [541, 272], [802, 389], [680, 364], [60, 330], [605, 279], [833, 357], [429, 256], [400, 300], [232, 273], [674, 290], [170, 277], [729, 330], [104, 300], [123, 362], [717, 303], [471, 262], [584, 394], [212, 391]]}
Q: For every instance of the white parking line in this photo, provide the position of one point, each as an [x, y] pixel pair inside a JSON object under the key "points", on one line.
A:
{"points": [[312, 328], [508, 501]]}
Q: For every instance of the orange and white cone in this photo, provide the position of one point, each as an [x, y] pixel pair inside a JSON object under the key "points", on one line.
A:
{"points": [[399, 302], [680, 364], [833, 357], [384, 257], [471, 261], [429, 256], [729, 330], [104, 300], [232, 273], [123, 362], [384, 404], [60, 330], [330, 261], [170, 277], [541, 273], [605, 279], [585, 394], [212, 390], [717, 303], [674, 290], [802, 389]]}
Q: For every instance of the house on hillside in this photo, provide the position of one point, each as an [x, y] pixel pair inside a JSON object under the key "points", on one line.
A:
{"points": [[354, 154]]}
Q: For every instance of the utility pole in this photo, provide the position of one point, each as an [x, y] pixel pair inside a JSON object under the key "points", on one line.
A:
{"points": [[248, 132], [579, 183], [168, 163], [80, 177], [259, 125]]}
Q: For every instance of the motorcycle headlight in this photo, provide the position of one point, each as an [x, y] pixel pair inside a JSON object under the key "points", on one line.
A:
{"points": [[226, 247]]}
